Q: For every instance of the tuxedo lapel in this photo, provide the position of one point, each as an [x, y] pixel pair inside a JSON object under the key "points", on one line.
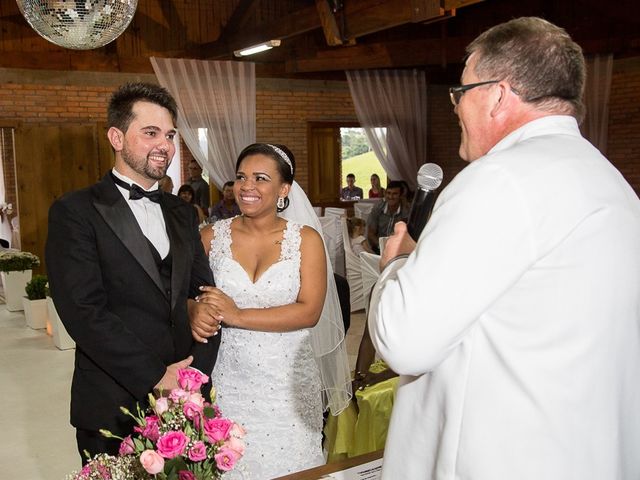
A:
{"points": [[116, 213], [177, 229]]}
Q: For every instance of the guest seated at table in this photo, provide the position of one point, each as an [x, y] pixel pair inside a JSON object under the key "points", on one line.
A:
{"points": [[227, 207], [356, 227], [187, 193], [351, 192], [386, 214], [376, 190]]}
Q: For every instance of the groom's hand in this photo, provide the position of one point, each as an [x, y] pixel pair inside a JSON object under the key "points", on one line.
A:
{"points": [[202, 320], [169, 380]]}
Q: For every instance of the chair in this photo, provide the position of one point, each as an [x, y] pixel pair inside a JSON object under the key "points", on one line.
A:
{"points": [[354, 270], [362, 208], [370, 270], [337, 211], [332, 235]]}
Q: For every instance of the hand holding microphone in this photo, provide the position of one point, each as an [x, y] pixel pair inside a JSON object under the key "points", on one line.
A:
{"points": [[429, 179]]}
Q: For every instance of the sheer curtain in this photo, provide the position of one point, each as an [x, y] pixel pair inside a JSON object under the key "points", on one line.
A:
{"points": [[391, 106], [596, 98], [217, 109], [6, 135]]}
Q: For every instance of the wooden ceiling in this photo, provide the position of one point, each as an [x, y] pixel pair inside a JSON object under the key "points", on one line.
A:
{"points": [[320, 38]]}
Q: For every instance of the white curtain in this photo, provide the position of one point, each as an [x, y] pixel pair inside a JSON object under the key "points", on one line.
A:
{"points": [[216, 101], [596, 97], [6, 136], [391, 106]]}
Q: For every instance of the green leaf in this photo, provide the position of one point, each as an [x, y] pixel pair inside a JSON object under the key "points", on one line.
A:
{"points": [[209, 412], [140, 446]]}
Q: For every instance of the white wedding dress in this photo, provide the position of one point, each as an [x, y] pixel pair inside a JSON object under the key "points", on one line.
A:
{"points": [[268, 382]]}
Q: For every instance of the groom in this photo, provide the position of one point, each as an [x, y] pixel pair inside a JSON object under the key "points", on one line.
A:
{"points": [[125, 262]]}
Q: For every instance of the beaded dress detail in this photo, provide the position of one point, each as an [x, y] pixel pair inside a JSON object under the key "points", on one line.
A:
{"points": [[268, 382]]}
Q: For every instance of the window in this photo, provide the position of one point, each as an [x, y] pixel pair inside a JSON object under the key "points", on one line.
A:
{"points": [[358, 157]]}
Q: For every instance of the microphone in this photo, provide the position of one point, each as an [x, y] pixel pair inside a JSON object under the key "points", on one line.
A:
{"points": [[429, 179]]}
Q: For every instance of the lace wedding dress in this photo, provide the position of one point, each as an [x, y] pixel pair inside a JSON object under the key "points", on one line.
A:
{"points": [[268, 382]]}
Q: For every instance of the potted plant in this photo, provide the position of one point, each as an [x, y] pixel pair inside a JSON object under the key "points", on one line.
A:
{"points": [[15, 269], [61, 339], [35, 303]]}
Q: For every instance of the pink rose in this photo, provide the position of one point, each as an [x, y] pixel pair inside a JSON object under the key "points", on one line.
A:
{"points": [[198, 452], [162, 405], [172, 444], [235, 444], [126, 447], [186, 475], [196, 422], [237, 431], [150, 429], [217, 429], [191, 410], [191, 379], [226, 458], [152, 462], [197, 398], [177, 395]]}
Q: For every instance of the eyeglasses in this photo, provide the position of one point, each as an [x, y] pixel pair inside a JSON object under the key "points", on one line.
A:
{"points": [[455, 93]]}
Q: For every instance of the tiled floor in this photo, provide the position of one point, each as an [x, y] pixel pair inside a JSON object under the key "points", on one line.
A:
{"points": [[37, 442]]}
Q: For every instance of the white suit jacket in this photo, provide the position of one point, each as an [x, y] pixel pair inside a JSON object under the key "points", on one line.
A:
{"points": [[515, 324]]}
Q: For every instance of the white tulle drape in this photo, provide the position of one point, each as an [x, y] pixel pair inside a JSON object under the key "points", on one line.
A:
{"points": [[327, 337], [391, 106], [219, 97], [596, 97]]}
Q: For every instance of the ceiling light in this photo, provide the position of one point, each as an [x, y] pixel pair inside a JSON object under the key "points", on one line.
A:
{"points": [[257, 48]]}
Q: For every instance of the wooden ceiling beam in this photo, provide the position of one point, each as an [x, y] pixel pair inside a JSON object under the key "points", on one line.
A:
{"points": [[238, 17], [435, 52], [296, 23], [361, 17], [381, 55], [364, 17], [329, 24]]}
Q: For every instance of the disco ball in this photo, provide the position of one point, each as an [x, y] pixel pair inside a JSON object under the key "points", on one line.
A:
{"points": [[78, 24]]}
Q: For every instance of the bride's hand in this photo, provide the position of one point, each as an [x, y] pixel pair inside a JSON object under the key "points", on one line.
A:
{"points": [[202, 320], [225, 307]]}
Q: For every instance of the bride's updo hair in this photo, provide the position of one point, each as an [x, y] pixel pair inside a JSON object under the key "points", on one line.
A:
{"points": [[280, 153]]}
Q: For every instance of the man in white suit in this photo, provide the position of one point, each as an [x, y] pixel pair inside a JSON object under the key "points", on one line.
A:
{"points": [[515, 320]]}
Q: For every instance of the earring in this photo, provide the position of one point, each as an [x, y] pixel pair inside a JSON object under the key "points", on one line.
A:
{"points": [[280, 202]]}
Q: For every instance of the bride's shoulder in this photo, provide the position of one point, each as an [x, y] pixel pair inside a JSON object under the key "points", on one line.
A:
{"points": [[310, 236]]}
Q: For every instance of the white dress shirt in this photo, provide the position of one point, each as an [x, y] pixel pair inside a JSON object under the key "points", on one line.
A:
{"points": [[515, 324], [149, 216]]}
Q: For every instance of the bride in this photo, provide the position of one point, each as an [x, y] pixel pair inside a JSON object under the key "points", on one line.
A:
{"points": [[282, 359]]}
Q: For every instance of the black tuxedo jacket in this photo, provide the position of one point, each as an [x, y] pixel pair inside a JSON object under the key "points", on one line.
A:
{"points": [[108, 292]]}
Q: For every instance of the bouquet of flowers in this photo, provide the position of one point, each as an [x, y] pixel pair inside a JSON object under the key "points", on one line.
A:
{"points": [[180, 437]]}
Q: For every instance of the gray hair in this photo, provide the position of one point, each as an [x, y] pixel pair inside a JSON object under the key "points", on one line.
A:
{"points": [[540, 61]]}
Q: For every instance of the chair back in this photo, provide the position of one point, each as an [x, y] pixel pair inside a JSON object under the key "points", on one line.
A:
{"points": [[332, 234], [354, 271], [370, 269]]}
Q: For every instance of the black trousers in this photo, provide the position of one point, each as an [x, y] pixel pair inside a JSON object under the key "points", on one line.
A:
{"points": [[94, 443]]}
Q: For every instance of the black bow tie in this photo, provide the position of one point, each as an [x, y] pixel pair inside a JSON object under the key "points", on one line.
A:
{"points": [[136, 192]]}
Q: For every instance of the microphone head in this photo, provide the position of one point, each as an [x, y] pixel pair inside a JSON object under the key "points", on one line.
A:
{"points": [[429, 176]]}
